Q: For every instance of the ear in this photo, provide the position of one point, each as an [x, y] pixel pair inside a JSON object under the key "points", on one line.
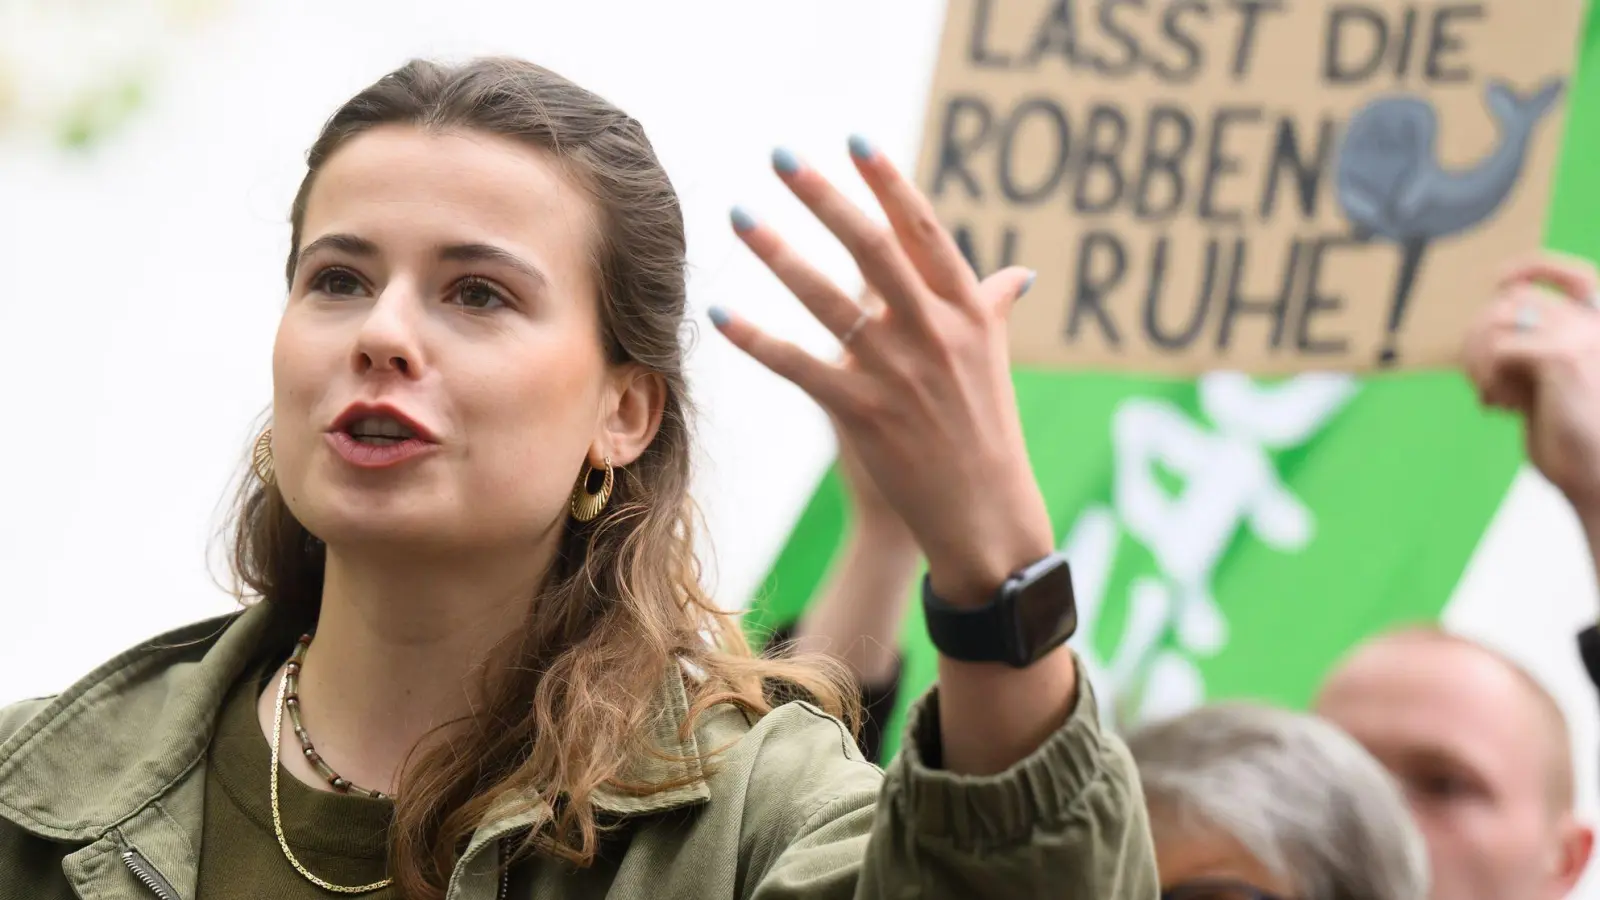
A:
{"points": [[1576, 843], [630, 414]]}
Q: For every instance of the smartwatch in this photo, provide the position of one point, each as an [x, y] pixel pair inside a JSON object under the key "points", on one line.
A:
{"points": [[1034, 612]]}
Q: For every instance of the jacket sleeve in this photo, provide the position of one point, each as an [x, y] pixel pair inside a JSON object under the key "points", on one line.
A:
{"points": [[1067, 822]]}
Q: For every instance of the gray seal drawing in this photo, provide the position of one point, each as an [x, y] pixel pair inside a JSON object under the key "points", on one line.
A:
{"points": [[1389, 180], [1390, 184]]}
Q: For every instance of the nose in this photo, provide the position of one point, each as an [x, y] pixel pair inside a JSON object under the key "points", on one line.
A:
{"points": [[387, 341]]}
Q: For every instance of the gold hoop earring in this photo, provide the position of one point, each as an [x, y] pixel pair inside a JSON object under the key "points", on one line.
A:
{"points": [[586, 505], [261, 458]]}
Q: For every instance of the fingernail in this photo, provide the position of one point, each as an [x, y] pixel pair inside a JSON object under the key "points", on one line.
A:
{"points": [[1028, 285], [741, 219], [860, 147], [719, 316], [785, 161]]}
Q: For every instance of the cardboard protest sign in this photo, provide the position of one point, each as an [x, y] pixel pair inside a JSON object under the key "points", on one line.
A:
{"points": [[1264, 185]]}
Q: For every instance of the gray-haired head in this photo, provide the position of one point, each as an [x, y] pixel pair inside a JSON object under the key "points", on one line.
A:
{"points": [[1299, 795]]}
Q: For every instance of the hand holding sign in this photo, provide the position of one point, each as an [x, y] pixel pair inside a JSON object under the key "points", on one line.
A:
{"points": [[1536, 352]]}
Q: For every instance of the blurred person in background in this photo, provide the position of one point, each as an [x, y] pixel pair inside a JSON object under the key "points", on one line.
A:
{"points": [[1483, 753], [1481, 747], [467, 548], [1249, 802], [858, 614]]}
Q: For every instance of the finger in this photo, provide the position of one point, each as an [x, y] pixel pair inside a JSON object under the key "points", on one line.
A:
{"points": [[927, 244], [823, 382], [1505, 367], [875, 249], [1502, 385], [1003, 289], [1572, 276], [871, 302], [1526, 307], [832, 307], [1508, 349], [1512, 392]]}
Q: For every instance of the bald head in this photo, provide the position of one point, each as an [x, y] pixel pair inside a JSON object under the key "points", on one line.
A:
{"points": [[1419, 655], [1483, 753]]}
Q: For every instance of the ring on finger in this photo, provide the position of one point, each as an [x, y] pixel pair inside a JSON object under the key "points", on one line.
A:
{"points": [[851, 332], [1527, 318]]}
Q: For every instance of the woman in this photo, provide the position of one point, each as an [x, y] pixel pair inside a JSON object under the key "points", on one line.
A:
{"points": [[482, 679], [1253, 803]]}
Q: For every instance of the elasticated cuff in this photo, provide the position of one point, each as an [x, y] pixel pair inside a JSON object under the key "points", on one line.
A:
{"points": [[1042, 792]]}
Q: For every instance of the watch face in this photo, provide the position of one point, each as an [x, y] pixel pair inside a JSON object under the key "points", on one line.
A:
{"points": [[1047, 611]]}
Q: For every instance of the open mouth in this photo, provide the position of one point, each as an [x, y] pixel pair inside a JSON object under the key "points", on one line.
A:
{"points": [[379, 431]]}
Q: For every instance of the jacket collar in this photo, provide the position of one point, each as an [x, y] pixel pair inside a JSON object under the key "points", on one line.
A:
{"points": [[123, 736]]}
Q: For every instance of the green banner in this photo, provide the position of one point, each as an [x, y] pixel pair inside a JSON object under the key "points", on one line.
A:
{"points": [[1232, 537]]}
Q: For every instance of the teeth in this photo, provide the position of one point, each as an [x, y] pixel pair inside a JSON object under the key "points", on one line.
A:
{"points": [[380, 427]]}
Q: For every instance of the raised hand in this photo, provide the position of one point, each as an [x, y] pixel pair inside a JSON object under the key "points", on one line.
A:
{"points": [[1536, 351], [923, 393]]}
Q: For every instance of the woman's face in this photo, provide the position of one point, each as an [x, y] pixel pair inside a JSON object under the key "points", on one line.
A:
{"points": [[438, 373]]}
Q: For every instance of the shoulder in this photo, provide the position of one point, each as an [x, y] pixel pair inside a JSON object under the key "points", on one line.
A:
{"points": [[16, 715], [796, 736], [77, 763], [787, 766], [148, 676], [32, 865], [792, 778]]}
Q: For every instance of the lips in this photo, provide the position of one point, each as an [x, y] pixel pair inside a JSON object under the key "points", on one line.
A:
{"points": [[370, 436], [380, 423]]}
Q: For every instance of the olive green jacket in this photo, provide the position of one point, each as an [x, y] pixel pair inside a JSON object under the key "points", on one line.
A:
{"points": [[102, 793]]}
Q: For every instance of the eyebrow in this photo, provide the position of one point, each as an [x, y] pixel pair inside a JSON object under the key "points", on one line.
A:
{"points": [[491, 254], [343, 243], [472, 252]]}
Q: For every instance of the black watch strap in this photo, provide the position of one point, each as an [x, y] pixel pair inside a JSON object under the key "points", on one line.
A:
{"points": [[1032, 613], [970, 634]]}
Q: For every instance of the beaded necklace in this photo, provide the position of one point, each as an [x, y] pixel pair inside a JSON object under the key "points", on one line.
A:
{"points": [[291, 674], [289, 698]]}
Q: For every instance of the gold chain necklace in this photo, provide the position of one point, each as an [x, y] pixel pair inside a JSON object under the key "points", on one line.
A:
{"points": [[277, 818]]}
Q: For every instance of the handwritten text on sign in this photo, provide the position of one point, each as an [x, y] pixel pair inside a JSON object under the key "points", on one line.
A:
{"points": [[1264, 185]]}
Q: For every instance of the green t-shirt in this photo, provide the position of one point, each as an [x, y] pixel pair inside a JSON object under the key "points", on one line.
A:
{"points": [[339, 838]]}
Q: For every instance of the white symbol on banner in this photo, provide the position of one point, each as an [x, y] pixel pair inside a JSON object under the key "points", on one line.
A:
{"points": [[1228, 481]]}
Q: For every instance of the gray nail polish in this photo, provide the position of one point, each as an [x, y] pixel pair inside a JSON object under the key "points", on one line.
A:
{"points": [[785, 161], [1028, 285], [860, 147], [718, 315], [741, 219]]}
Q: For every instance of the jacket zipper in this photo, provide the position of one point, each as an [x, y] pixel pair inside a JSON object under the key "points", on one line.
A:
{"points": [[148, 876], [505, 871]]}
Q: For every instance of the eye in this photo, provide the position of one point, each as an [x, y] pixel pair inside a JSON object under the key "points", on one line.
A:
{"points": [[336, 282], [478, 294], [1442, 786]]}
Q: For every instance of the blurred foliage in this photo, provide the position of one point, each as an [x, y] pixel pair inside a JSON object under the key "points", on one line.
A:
{"points": [[97, 113], [75, 72]]}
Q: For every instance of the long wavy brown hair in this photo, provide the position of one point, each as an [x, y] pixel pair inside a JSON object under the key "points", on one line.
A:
{"points": [[571, 696]]}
